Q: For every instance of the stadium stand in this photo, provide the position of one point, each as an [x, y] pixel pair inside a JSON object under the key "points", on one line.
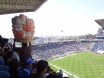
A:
{"points": [[60, 48]]}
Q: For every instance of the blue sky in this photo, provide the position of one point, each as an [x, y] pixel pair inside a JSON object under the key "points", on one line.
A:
{"points": [[74, 17]]}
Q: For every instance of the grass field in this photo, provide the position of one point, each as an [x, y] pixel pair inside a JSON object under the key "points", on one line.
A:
{"points": [[83, 65]]}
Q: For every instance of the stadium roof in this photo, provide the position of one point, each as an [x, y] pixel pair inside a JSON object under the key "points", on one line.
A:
{"points": [[100, 22], [18, 6]]}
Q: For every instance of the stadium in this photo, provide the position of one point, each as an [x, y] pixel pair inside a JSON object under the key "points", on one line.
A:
{"points": [[78, 59], [82, 58]]}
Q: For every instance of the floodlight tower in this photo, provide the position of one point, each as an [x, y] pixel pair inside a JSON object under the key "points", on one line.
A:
{"points": [[100, 33]]}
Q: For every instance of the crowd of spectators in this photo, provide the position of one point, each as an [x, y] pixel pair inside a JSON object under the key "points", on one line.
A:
{"points": [[11, 67], [98, 46], [37, 66], [59, 48]]}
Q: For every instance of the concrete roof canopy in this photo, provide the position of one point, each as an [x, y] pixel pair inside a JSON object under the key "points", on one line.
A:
{"points": [[18, 6], [100, 22]]}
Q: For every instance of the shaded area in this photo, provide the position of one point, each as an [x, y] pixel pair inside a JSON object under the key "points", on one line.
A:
{"points": [[18, 6]]}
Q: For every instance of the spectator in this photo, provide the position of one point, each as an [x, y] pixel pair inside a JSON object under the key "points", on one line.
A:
{"points": [[47, 72], [51, 70], [2, 66], [13, 65], [2, 48], [60, 73], [15, 56], [34, 67], [41, 69], [26, 69], [6, 50], [8, 58], [25, 51]]}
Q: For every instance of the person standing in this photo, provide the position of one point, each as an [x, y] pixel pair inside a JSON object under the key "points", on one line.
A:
{"points": [[24, 51], [60, 73]]}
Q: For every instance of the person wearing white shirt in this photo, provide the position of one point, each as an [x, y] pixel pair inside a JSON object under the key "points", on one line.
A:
{"points": [[47, 72]]}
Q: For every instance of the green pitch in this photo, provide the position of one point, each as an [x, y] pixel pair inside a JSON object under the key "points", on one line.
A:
{"points": [[83, 65]]}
